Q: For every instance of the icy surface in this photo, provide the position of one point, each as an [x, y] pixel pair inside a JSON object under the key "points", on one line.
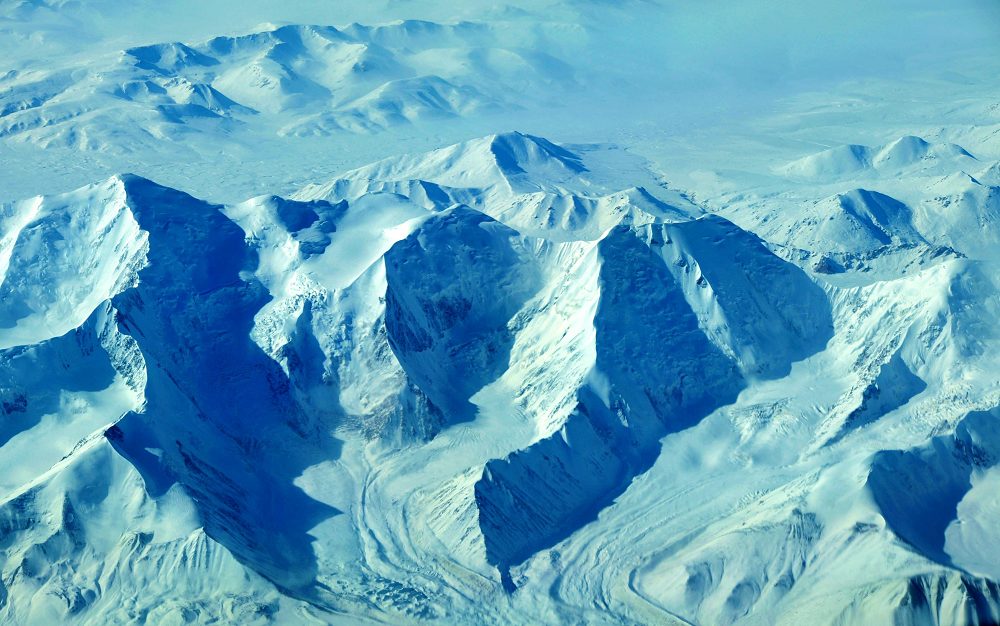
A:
{"points": [[548, 312]]}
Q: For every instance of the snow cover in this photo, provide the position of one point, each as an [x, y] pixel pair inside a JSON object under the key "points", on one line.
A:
{"points": [[598, 375]]}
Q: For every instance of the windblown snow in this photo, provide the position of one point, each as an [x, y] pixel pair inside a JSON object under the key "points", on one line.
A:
{"points": [[513, 378]]}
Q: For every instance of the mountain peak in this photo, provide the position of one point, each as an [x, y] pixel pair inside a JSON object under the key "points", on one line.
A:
{"points": [[907, 151], [516, 161], [169, 57], [518, 153]]}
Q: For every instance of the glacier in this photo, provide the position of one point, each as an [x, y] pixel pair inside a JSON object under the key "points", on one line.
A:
{"points": [[711, 338]]}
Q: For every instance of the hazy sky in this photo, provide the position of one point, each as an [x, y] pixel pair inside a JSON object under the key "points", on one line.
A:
{"points": [[646, 67], [744, 44]]}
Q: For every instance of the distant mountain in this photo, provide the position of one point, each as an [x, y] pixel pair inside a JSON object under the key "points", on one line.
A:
{"points": [[301, 80], [858, 220], [523, 181], [907, 152]]}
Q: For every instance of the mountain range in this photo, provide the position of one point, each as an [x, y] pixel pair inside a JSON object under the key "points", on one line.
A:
{"points": [[345, 349]]}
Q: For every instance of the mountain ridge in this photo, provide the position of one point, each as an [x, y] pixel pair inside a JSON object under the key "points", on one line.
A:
{"points": [[283, 369]]}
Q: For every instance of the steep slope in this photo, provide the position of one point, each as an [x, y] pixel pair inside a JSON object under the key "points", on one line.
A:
{"points": [[450, 335], [79, 248], [406, 397], [700, 314], [72, 552], [918, 490], [799, 542], [211, 393]]}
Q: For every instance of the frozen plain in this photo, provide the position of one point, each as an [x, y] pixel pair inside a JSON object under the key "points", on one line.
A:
{"points": [[556, 312]]}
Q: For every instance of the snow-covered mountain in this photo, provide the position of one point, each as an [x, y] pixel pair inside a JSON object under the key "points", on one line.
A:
{"points": [[524, 181], [346, 350], [377, 401], [300, 79], [905, 153]]}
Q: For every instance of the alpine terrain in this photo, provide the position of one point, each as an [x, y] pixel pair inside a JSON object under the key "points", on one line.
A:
{"points": [[559, 312]]}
